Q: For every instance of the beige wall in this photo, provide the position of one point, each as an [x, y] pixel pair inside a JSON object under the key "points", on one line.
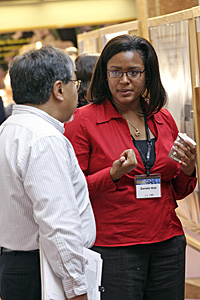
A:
{"points": [[65, 14], [162, 7]]}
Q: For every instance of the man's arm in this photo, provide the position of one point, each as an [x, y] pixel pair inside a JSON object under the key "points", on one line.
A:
{"points": [[49, 184]]}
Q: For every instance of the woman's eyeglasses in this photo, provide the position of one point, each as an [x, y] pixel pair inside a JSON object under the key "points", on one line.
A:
{"points": [[129, 74]]}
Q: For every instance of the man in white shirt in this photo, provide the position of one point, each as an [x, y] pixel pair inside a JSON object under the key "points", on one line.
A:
{"points": [[43, 193]]}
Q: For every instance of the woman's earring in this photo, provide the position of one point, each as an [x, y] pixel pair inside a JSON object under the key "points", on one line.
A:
{"points": [[146, 96]]}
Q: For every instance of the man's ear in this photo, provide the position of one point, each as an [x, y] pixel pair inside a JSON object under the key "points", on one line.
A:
{"points": [[58, 90]]}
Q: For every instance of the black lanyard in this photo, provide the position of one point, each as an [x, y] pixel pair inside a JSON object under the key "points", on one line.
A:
{"points": [[149, 145]]}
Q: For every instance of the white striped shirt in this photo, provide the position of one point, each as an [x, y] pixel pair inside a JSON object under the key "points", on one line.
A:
{"points": [[43, 193]]}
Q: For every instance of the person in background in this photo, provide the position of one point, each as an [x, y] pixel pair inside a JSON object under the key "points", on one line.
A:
{"points": [[7, 95], [72, 52], [3, 71], [2, 111], [122, 140], [8, 110], [85, 64], [44, 193]]}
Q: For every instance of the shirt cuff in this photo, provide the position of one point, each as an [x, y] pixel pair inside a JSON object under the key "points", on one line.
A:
{"points": [[76, 287], [183, 176]]}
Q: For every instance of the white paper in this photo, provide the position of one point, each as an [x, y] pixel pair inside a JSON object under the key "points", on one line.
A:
{"points": [[93, 273], [52, 288]]}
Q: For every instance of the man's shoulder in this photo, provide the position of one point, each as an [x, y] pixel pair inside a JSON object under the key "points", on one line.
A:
{"points": [[32, 123]]}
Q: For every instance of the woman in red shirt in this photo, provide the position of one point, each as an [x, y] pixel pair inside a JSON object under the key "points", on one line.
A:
{"points": [[122, 140]]}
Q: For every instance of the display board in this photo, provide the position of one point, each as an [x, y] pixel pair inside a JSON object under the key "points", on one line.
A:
{"points": [[110, 32], [175, 40], [171, 42], [88, 42]]}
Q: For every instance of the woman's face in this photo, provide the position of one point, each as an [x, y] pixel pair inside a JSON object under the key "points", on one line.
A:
{"points": [[126, 90]]}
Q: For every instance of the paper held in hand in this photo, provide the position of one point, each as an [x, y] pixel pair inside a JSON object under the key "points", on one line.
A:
{"points": [[52, 288], [181, 139]]}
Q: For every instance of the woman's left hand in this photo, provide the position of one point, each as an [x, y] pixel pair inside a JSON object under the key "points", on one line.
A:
{"points": [[188, 156]]}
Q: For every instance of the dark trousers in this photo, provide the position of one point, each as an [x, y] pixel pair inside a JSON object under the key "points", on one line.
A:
{"points": [[20, 275], [144, 272]]}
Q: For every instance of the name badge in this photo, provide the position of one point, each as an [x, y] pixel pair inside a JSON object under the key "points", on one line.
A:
{"points": [[148, 186]]}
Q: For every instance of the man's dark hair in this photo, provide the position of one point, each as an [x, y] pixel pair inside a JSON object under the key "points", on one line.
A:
{"points": [[34, 72]]}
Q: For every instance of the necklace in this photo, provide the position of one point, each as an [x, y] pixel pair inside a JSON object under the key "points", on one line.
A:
{"points": [[137, 132]]}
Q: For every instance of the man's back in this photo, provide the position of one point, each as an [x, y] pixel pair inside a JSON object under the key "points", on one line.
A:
{"points": [[39, 168]]}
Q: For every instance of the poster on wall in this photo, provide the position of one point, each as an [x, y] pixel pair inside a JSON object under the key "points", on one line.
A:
{"points": [[109, 36], [171, 42]]}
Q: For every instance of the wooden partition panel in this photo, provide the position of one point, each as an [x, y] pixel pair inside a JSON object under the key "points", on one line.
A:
{"points": [[106, 33], [196, 107], [88, 42], [95, 40], [196, 14]]}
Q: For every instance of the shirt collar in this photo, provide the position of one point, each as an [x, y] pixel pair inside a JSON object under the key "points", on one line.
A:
{"points": [[106, 112], [26, 109], [157, 117]]}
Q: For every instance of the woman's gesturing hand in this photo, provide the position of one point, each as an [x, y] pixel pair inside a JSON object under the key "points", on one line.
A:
{"points": [[125, 164]]}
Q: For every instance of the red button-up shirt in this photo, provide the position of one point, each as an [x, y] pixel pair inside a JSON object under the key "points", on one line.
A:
{"points": [[99, 134]]}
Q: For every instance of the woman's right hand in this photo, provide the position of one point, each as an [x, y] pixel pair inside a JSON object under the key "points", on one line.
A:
{"points": [[125, 164]]}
